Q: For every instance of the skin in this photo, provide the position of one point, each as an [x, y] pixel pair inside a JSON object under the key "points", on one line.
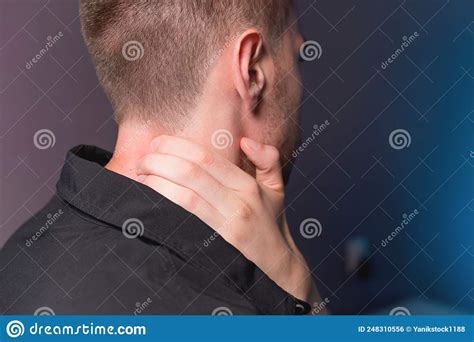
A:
{"points": [[254, 94]]}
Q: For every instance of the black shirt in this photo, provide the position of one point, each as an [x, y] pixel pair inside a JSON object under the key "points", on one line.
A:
{"points": [[106, 244]]}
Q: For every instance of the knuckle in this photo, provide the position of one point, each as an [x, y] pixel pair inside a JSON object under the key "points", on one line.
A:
{"points": [[148, 161], [156, 144], [194, 171], [161, 144], [163, 138], [274, 153], [189, 170], [244, 211], [238, 238], [189, 200], [205, 158], [253, 187]]}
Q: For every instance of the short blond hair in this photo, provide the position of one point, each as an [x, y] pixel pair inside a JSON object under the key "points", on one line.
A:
{"points": [[153, 56]]}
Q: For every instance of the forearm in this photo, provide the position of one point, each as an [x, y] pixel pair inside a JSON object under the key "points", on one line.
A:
{"points": [[301, 285], [291, 272], [301, 280]]}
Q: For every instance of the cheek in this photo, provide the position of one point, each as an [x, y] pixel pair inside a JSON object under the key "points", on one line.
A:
{"points": [[297, 84], [294, 92], [296, 87]]}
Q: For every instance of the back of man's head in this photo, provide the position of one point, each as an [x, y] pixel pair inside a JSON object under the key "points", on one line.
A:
{"points": [[153, 57]]}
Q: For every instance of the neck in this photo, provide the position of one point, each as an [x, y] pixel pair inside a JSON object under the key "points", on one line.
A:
{"points": [[133, 143], [134, 140], [215, 111]]}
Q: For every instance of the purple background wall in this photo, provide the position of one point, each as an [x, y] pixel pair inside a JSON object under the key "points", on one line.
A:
{"points": [[59, 92]]}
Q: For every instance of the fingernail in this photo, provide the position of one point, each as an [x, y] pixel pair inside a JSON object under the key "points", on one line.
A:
{"points": [[252, 144], [141, 178], [154, 144]]}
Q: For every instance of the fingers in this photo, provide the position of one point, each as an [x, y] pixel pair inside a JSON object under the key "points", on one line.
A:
{"points": [[190, 176], [218, 167], [266, 160], [186, 199]]}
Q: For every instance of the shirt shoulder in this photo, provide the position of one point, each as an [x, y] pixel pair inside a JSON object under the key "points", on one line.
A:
{"points": [[72, 263], [62, 258]]}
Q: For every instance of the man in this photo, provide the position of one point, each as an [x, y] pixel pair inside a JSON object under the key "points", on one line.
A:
{"points": [[187, 216]]}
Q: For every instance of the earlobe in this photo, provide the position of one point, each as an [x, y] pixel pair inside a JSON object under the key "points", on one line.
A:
{"points": [[249, 75]]}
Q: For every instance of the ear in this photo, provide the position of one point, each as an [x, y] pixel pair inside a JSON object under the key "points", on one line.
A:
{"points": [[248, 72]]}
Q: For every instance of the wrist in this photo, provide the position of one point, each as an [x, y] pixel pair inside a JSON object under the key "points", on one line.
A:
{"points": [[298, 279]]}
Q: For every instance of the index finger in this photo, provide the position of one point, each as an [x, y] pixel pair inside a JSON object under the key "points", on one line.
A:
{"points": [[221, 169]]}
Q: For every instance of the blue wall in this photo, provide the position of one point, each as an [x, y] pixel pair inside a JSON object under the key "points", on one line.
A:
{"points": [[356, 184]]}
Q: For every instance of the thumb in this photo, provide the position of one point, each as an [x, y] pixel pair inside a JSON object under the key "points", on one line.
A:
{"points": [[266, 159]]}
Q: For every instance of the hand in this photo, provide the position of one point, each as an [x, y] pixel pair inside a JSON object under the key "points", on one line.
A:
{"points": [[247, 212]]}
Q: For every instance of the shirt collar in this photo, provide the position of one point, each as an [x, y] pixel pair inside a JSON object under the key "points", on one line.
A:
{"points": [[124, 203]]}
